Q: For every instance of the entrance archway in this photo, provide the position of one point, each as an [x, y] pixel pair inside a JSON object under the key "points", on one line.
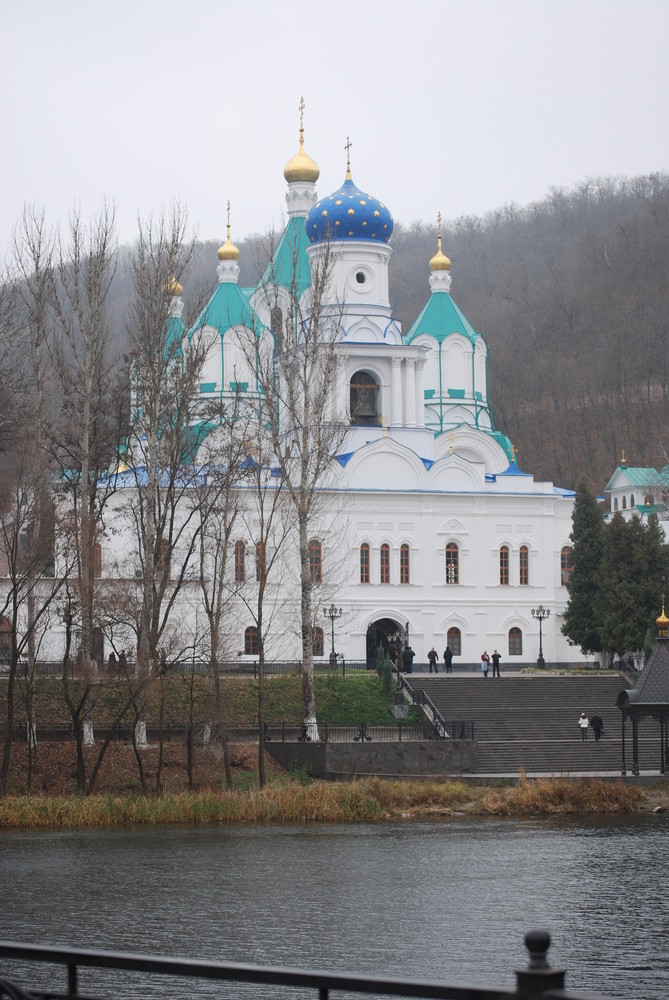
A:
{"points": [[378, 633]]}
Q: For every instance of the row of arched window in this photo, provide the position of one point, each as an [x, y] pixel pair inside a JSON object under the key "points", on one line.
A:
{"points": [[384, 563], [453, 641], [315, 561], [452, 564]]}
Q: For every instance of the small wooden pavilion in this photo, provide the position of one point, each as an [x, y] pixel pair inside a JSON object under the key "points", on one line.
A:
{"points": [[649, 697]]}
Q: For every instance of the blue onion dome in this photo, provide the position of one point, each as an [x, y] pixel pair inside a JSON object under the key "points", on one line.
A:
{"points": [[349, 214]]}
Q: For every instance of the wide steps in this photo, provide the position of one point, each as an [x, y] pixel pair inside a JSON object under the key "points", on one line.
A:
{"points": [[530, 722]]}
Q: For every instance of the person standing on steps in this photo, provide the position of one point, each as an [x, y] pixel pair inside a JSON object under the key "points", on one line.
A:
{"points": [[583, 726], [495, 663], [485, 662], [407, 658], [432, 657], [597, 725], [448, 659]]}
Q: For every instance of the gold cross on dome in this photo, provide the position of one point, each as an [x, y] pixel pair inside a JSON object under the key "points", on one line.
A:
{"points": [[347, 147], [302, 106]]}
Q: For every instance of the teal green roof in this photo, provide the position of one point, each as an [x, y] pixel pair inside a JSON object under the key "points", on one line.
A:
{"points": [[227, 307], [642, 477], [439, 319], [289, 266]]}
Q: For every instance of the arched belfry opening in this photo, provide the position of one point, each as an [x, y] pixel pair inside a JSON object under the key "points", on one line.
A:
{"points": [[382, 633], [364, 400]]}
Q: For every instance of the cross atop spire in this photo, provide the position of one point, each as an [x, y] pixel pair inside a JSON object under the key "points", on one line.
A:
{"points": [[347, 147], [301, 108]]}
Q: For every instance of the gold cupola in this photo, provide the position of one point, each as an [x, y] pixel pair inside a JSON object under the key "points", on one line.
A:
{"points": [[228, 251], [440, 261], [173, 288], [301, 167], [662, 623]]}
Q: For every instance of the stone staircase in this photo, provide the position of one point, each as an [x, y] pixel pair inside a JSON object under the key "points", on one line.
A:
{"points": [[530, 722]]}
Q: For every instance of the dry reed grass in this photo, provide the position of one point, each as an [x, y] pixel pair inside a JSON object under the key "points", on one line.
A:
{"points": [[559, 797]]}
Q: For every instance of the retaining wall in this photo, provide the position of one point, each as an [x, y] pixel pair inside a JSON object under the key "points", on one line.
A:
{"points": [[431, 758]]}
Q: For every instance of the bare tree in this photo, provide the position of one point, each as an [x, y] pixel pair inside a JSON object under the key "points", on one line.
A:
{"points": [[167, 426], [299, 381], [268, 522]]}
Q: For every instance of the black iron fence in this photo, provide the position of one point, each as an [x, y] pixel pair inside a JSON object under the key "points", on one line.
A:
{"points": [[226, 668], [537, 980], [280, 732]]}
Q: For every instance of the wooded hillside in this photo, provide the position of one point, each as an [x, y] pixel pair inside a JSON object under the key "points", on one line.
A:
{"points": [[571, 294]]}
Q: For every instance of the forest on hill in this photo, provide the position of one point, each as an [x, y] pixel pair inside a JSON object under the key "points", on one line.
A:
{"points": [[571, 294]]}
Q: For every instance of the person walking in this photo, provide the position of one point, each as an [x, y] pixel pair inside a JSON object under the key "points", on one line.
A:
{"points": [[407, 659], [485, 662], [433, 657], [495, 663], [597, 725], [448, 659], [583, 726]]}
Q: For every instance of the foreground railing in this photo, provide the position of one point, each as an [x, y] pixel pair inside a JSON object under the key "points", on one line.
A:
{"points": [[537, 980]]}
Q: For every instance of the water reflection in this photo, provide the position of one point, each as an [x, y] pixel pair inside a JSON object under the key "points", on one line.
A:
{"points": [[448, 900]]}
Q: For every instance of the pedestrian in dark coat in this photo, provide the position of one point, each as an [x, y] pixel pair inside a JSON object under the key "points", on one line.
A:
{"points": [[597, 725], [495, 663], [448, 659], [432, 657], [407, 658]]}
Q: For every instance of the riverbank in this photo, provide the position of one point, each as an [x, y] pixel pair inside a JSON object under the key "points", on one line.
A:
{"points": [[287, 800]]}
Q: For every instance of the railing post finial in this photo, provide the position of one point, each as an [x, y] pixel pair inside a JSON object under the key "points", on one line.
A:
{"points": [[538, 977]]}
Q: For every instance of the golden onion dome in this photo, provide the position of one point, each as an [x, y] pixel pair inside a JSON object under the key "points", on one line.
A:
{"points": [[301, 167], [228, 251], [440, 261], [662, 622], [174, 288]]}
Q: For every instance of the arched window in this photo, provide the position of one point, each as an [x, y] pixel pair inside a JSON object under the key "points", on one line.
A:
{"points": [[260, 560], [251, 641], [452, 563], [515, 642], [504, 565], [566, 567], [363, 400], [98, 646], [317, 636], [632, 500], [97, 561], [165, 564], [615, 503], [315, 561], [364, 563], [404, 563], [384, 567], [240, 562], [524, 566], [5, 640], [454, 641], [276, 324], [624, 503]]}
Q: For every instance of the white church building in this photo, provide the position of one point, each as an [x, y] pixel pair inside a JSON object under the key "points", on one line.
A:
{"points": [[438, 528]]}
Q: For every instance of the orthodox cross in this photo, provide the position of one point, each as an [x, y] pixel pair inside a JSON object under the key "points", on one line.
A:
{"points": [[347, 147]]}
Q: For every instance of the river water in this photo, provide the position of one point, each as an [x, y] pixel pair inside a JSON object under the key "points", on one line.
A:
{"points": [[448, 900]]}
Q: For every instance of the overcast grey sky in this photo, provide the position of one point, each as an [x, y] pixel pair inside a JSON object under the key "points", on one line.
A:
{"points": [[453, 106]]}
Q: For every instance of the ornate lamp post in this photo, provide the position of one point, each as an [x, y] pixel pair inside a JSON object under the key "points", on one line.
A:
{"points": [[541, 614], [333, 614], [401, 638]]}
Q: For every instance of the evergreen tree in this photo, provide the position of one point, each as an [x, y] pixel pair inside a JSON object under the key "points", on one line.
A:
{"points": [[580, 624], [622, 600]]}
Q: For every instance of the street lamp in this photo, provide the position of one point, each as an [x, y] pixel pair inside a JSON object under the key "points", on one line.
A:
{"points": [[401, 637], [541, 614], [333, 614]]}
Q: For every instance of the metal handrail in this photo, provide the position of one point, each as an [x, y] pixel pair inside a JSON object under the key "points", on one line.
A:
{"points": [[537, 980], [439, 723]]}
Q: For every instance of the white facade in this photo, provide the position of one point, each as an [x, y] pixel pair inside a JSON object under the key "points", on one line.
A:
{"points": [[429, 521]]}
